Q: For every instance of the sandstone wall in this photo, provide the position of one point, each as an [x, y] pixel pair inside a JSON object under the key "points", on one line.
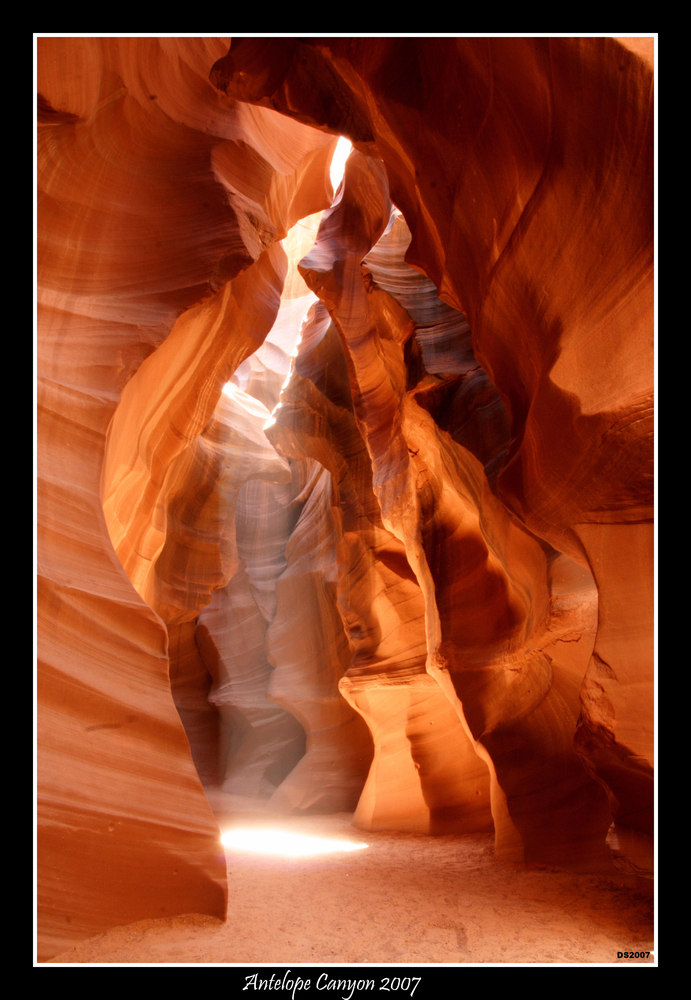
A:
{"points": [[524, 169], [423, 588], [160, 204]]}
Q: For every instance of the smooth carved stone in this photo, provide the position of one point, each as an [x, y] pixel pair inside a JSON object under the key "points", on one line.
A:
{"points": [[448, 381], [201, 490], [167, 405], [147, 183], [426, 776], [465, 448], [524, 170], [259, 742], [308, 647], [414, 782], [190, 683], [617, 727], [484, 579], [264, 373]]}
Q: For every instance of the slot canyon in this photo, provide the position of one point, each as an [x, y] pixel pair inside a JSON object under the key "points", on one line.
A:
{"points": [[344, 485]]}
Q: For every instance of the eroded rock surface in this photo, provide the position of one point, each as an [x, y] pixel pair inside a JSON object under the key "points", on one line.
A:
{"points": [[419, 589], [524, 169], [160, 208]]}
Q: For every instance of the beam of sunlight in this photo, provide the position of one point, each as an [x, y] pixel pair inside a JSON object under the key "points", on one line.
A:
{"points": [[296, 244], [281, 843], [341, 154]]}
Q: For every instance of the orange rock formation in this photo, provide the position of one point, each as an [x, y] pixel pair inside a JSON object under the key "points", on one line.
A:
{"points": [[404, 568]]}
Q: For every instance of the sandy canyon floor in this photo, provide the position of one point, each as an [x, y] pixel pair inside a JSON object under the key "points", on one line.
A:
{"points": [[405, 899]]}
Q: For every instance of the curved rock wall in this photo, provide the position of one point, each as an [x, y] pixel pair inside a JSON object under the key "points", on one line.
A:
{"points": [[160, 205], [524, 170], [487, 632], [425, 593]]}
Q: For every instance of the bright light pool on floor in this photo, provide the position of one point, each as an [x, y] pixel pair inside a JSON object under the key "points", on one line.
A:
{"points": [[282, 843]]}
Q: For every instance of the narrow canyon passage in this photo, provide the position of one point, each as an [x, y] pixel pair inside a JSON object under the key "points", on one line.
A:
{"points": [[345, 483]]}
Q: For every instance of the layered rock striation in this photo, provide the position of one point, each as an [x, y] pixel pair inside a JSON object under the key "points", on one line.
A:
{"points": [[485, 630], [402, 565], [160, 210], [524, 170]]}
